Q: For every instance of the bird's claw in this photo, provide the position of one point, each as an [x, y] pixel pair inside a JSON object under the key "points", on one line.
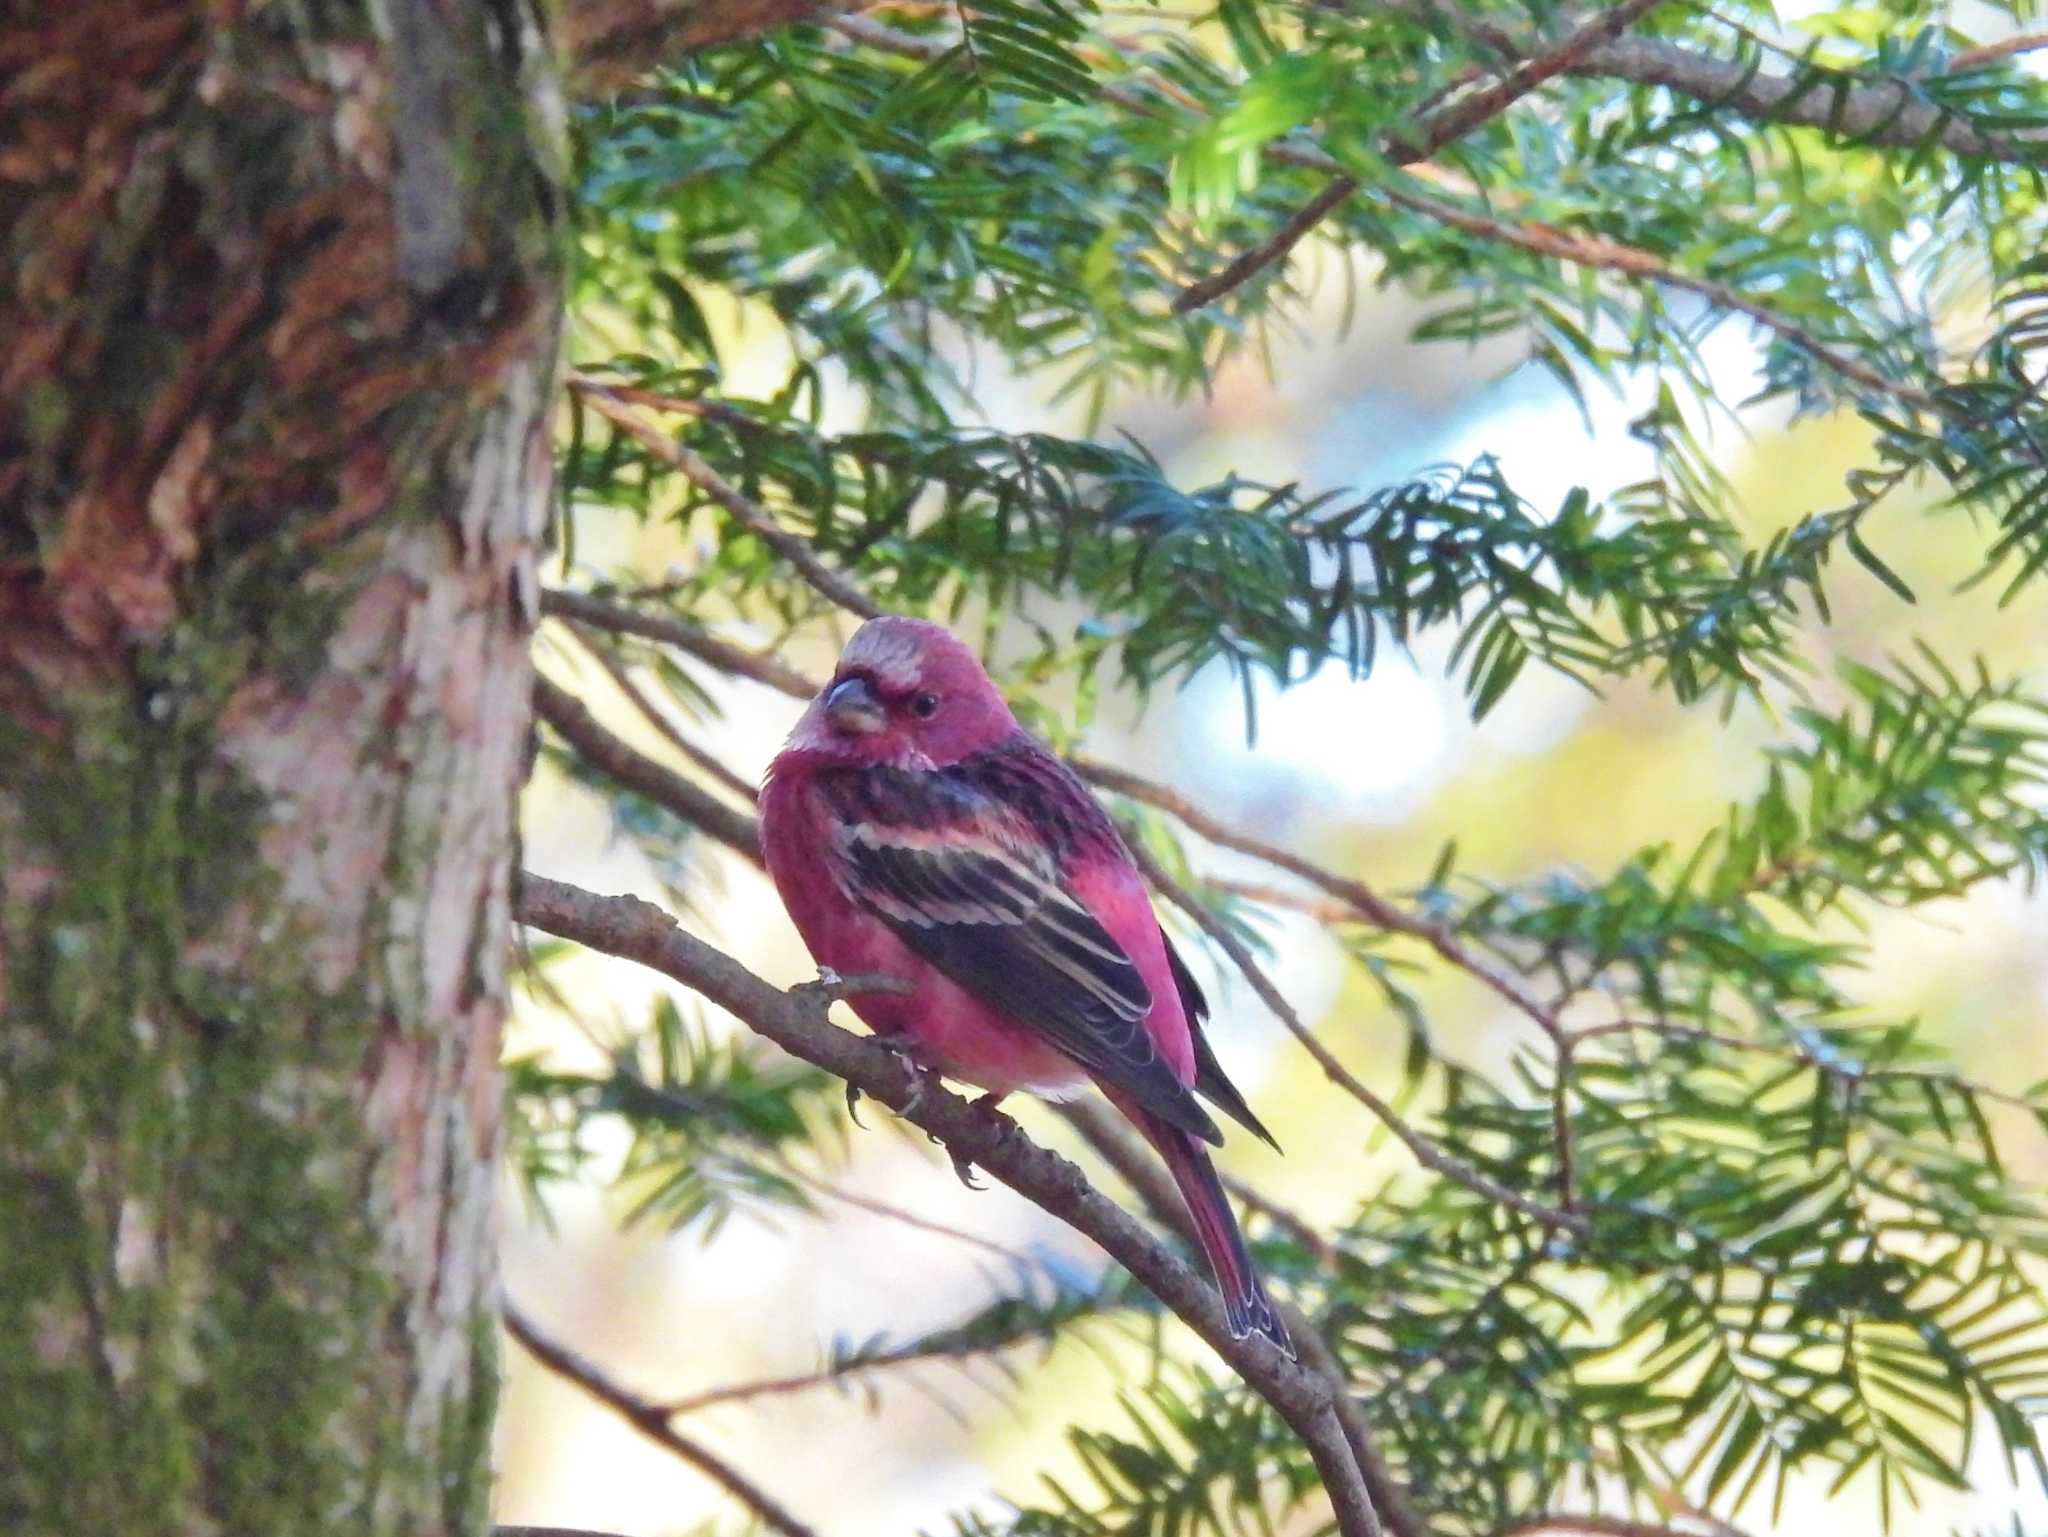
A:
{"points": [[964, 1168], [1001, 1126], [914, 1072]]}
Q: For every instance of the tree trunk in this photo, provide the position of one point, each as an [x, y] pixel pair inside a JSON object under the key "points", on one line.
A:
{"points": [[277, 331]]}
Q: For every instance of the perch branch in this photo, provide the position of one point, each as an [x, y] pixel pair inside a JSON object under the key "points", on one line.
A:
{"points": [[797, 1021]]}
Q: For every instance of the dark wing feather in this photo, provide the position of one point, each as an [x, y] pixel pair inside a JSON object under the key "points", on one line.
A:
{"points": [[1209, 1080], [996, 920]]}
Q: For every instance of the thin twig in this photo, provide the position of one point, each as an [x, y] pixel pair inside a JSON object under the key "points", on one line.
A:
{"points": [[1326, 910], [572, 720], [1996, 53], [583, 608], [1366, 902], [1561, 1122], [797, 1021], [658, 718], [688, 463], [1611, 256], [1444, 126], [868, 1203], [651, 1420], [1426, 1152], [1842, 1072], [954, 1347], [1269, 252]]}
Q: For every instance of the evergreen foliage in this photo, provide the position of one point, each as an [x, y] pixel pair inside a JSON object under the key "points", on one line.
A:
{"points": [[1769, 1239]]}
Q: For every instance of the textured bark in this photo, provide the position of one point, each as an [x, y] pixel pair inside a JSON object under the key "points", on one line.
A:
{"points": [[608, 44], [277, 329]]}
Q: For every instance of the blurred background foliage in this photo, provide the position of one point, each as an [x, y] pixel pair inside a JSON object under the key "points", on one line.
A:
{"points": [[1599, 508]]}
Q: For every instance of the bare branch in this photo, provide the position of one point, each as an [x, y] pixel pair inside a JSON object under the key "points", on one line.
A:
{"points": [[1890, 114], [1841, 1071], [658, 718], [1633, 261], [797, 1021], [868, 1203], [651, 1420], [1268, 252], [1366, 902], [957, 1347], [1996, 53], [688, 463], [572, 719], [1426, 1152], [707, 648]]}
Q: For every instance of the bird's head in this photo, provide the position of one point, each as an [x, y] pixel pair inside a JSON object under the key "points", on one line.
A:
{"points": [[906, 691]]}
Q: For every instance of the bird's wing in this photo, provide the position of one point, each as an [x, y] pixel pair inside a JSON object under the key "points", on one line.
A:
{"points": [[1210, 1081], [964, 882]]}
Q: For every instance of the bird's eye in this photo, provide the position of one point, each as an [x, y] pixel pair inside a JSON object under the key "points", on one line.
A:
{"points": [[925, 706]]}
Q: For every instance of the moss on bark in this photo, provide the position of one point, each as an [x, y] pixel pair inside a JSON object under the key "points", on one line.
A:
{"points": [[281, 297]]}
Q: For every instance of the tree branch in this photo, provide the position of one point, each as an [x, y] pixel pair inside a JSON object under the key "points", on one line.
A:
{"points": [[797, 1021], [1987, 54], [1441, 127], [1426, 1152], [1611, 256], [658, 718], [1367, 903], [1112, 1141], [651, 1420], [1889, 113], [572, 720], [688, 463], [707, 648]]}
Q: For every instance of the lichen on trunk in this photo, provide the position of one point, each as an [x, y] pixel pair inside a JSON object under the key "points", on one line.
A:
{"points": [[279, 319]]}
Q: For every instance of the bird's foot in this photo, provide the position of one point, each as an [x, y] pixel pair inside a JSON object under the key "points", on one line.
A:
{"points": [[1001, 1125], [963, 1169], [915, 1076]]}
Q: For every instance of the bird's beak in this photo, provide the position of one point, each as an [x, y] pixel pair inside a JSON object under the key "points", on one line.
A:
{"points": [[851, 707]]}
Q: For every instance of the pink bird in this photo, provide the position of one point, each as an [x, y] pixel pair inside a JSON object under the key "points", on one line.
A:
{"points": [[914, 828]]}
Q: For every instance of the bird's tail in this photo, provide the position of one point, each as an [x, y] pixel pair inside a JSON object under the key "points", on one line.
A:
{"points": [[1245, 1302]]}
